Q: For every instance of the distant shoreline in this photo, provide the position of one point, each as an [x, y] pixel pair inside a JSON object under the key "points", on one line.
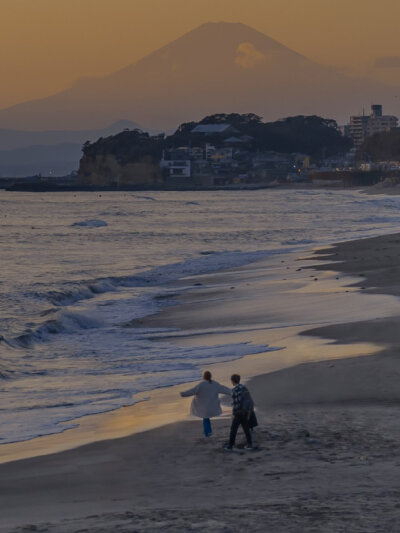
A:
{"points": [[46, 187], [81, 188]]}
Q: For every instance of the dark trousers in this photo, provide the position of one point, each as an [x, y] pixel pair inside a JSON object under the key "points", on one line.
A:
{"points": [[241, 418], [207, 427]]}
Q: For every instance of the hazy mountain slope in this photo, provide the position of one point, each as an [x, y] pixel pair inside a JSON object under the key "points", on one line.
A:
{"points": [[218, 67]]}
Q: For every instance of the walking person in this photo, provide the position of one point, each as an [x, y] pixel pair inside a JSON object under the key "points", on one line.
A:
{"points": [[205, 403], [242, 406]]}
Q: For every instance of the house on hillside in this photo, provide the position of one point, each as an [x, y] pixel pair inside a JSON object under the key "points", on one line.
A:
{"points": [[220, 155], [176, 166], [243, 142], [214, 129], [271, 166], [197, 153]]}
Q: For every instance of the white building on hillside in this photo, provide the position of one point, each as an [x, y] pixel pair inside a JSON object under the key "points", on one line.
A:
{"points": [[177, 169]]}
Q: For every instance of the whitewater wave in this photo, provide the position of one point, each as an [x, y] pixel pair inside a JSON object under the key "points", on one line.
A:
{"points": [[209, 261], [146, 198], [380, 220], [294, 242], [60, 322], [94, 223], [60, 319], [81, 291]]}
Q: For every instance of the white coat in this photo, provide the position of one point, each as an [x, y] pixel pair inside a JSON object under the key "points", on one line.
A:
{"points": [[205, 403]]}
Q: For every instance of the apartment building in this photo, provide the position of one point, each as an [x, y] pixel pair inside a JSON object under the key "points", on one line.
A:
{"points": [[362, 126]]}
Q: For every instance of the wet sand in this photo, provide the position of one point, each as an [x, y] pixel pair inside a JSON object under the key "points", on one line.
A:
{"points": [[327, 455]]}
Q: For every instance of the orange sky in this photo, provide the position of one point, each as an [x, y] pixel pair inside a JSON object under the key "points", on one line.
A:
{"points": [[46, 44]]}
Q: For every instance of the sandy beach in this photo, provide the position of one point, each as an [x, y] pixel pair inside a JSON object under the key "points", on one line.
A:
{"points": [[327, 453]]}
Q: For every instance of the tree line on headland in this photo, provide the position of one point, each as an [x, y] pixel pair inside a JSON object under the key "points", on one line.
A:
{"points": [[312, 135]]}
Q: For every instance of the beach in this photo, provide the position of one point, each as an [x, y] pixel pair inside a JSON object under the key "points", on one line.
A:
{"points": [[327, 454]]}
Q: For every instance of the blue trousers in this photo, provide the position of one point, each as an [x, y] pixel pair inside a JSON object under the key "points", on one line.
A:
{"points": [[207, 427]]}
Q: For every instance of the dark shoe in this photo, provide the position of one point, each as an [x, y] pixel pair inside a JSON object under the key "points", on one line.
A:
{"points": [[248, 447], [227, 447]]}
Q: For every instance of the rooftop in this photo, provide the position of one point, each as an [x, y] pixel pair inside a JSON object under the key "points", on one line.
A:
{"points": [[211, 128]]}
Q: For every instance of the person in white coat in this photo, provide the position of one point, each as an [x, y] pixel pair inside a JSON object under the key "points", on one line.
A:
{"points": [[205, 403]]}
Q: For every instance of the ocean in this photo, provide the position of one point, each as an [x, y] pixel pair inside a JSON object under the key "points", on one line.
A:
{"points": [[77, 267]]}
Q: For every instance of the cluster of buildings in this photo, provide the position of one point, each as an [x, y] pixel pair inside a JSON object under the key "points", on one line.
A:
{"points": [[229, 159], [362, 126], [232, 159]]}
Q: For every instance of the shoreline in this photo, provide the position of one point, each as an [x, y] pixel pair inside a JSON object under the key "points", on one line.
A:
{"points": [[328, 437], [49, 187], [190, 327]]}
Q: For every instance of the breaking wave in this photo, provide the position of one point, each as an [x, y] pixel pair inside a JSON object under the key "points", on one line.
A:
{"points": [[208, 262], [60, 322]]}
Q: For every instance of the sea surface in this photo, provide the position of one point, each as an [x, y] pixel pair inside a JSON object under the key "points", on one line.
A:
{"points": [[77, 267]]}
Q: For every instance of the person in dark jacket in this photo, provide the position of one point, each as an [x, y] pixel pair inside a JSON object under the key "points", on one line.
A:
{"points": [[242, 405]]}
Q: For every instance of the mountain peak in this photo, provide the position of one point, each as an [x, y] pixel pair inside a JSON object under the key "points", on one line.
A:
{"points": [[221, 24], [217, 26], [214, 49], [228, 33]]}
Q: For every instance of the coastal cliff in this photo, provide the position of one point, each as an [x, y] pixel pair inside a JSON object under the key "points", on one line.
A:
{"points": [[129, 158], [106, 170]]}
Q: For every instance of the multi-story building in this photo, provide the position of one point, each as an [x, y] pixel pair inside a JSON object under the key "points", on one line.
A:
{"points": [[362, 126], [358, 129], [378, 122]]}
